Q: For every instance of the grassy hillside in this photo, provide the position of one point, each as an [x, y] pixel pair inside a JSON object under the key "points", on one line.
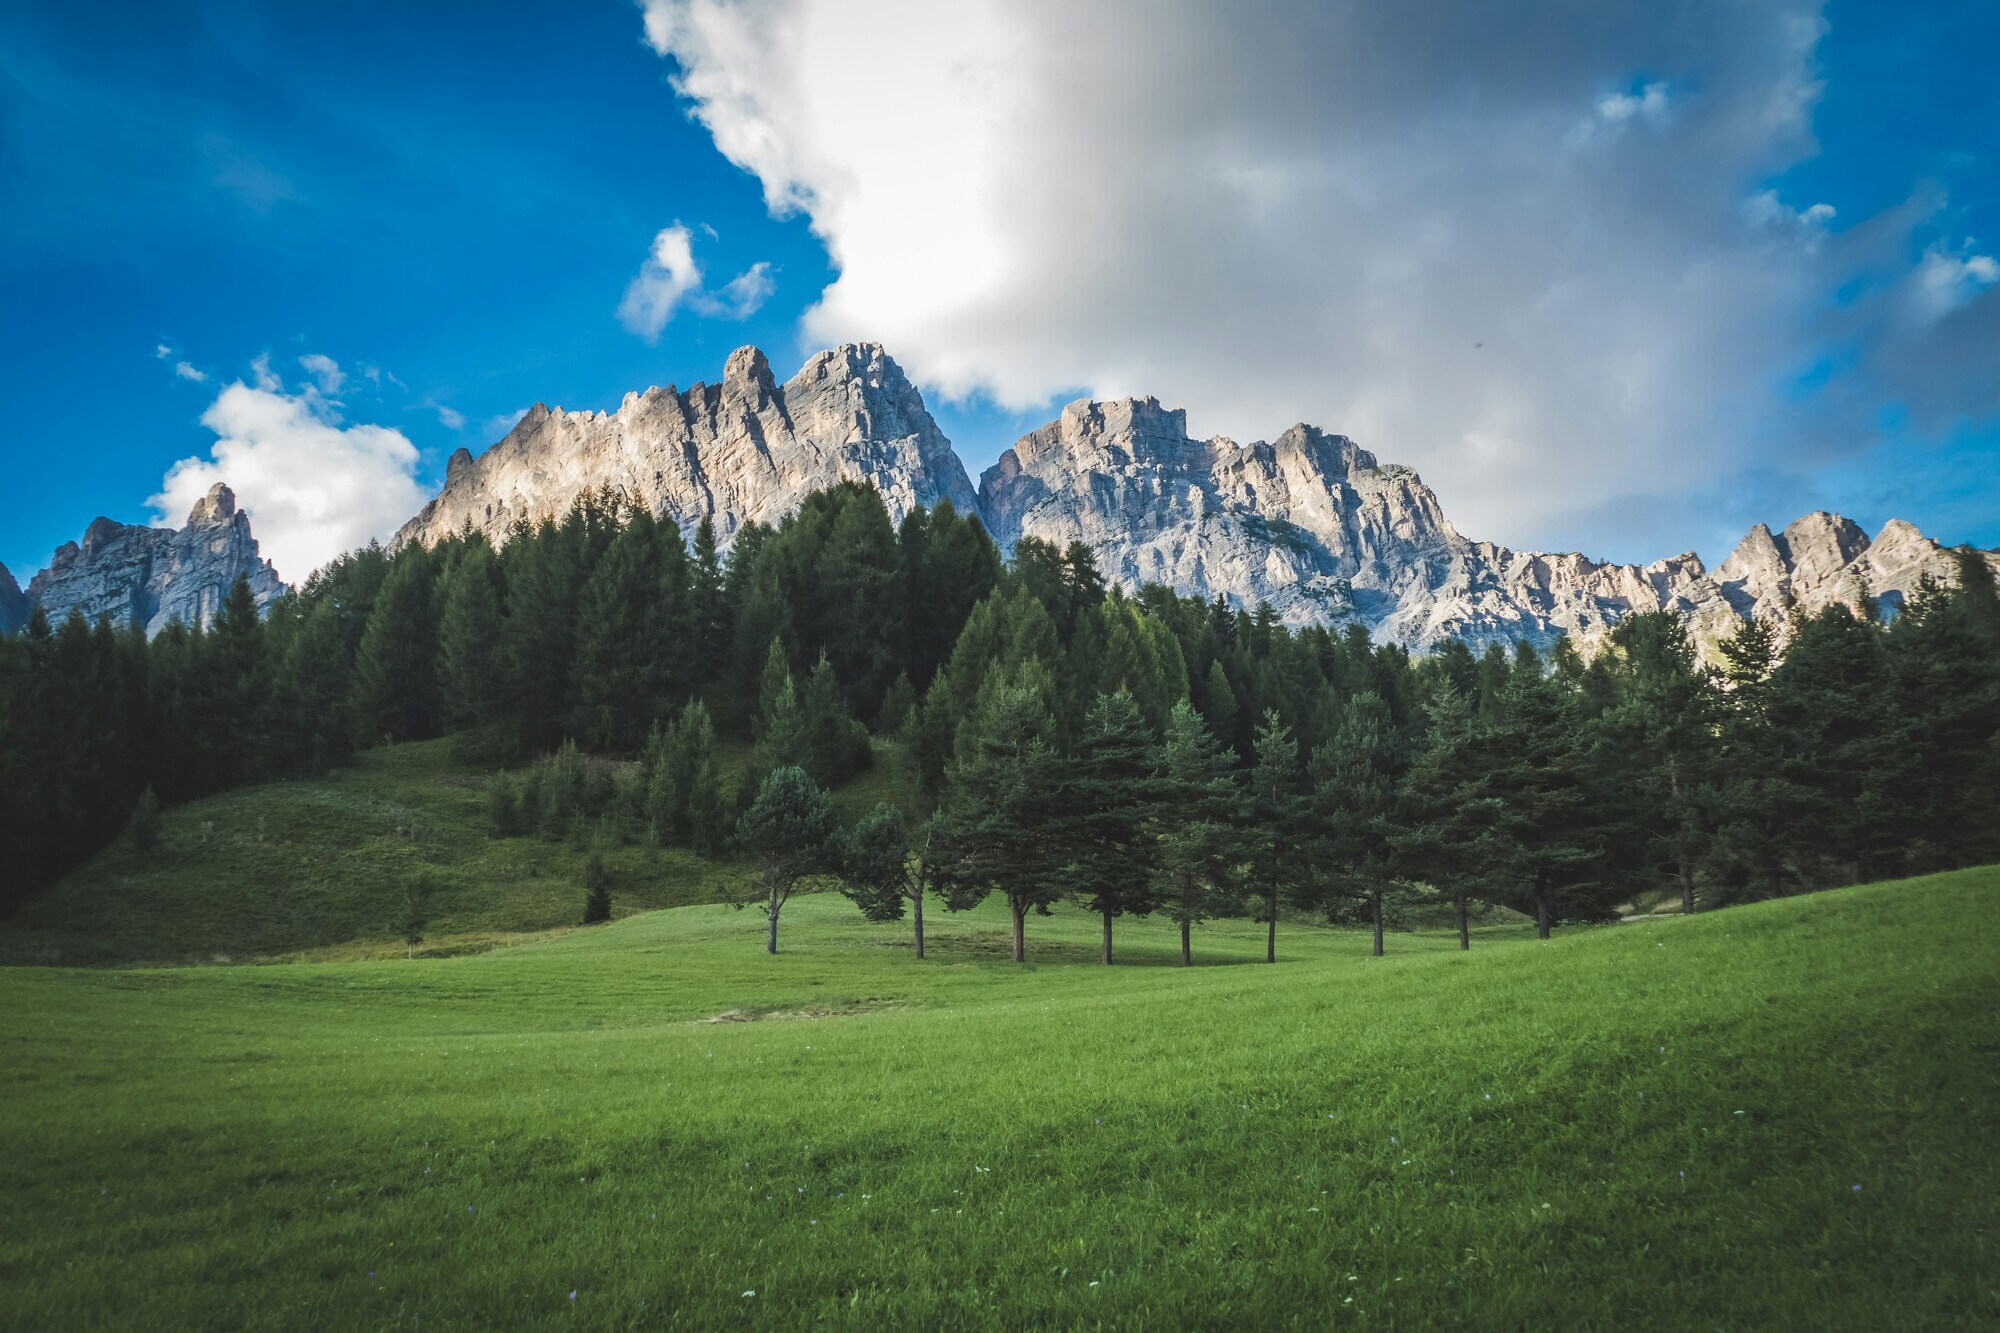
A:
{"points": [[1777, 1116], [317, 869]]}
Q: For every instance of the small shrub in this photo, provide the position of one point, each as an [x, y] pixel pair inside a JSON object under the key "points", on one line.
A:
{"points": [[597, 887], [144, 830]]}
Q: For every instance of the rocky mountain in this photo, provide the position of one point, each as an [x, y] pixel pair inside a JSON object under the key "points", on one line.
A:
{"points": [[1317, 527], [153, 576], [745, 448], [1311, 523]]}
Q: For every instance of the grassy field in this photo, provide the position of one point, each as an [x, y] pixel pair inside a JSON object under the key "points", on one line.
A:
{"points": [[1781, 1115], [344, 848]]}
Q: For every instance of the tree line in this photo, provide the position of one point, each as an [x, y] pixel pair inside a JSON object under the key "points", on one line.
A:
{"points": [[1067, 741]]}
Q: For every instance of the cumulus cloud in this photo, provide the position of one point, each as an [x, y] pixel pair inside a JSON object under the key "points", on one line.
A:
{"points": [[314, 487], [1382, 219], [182, 370], [451, 418], [670, 278]]}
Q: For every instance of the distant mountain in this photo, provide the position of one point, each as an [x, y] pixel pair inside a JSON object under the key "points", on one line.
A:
{"points": [[745, 449], [132, 574], [1317, 527], [1311, 523]]}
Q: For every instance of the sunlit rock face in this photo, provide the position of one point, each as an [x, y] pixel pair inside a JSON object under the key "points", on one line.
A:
{"points": [[745, 449], [130, 574], [1310, 522]]}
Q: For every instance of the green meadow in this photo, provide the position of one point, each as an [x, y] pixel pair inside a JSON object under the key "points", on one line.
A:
{"points": [[1780, 1115]]}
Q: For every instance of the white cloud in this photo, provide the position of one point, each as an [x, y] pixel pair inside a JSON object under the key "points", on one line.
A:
{"points": [[496, 427], [1380, 219], [451, 418], [670, 278], [183, 370], [668, 274], [262, 374], [1650, 104], [162, 352], [326, 372], [314, 487], [740, 297]]}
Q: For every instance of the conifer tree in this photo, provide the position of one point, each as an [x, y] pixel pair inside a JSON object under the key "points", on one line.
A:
{"points": [[1108, 797], [1278, 804], [1355, 784], [995, 827], [709, 603], [790, 830], [1199, 825], [395, 680], [881, 872], [471, 682]]}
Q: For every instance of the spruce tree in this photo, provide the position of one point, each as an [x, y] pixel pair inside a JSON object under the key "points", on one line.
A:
{"points": [[1000, 805], [470, 666], [1356, 778], [1199, 825], [1109, 793], [1278, 804], [395, 667], [790, 831]]}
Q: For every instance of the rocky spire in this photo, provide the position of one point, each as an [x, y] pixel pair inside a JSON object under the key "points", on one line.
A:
{"points": [[130, 574]]}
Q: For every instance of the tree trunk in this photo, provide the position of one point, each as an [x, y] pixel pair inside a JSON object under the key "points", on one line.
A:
{"points": [[1375, 906], [1020, 910], [1541, 913], [1464, 932], [1107, 939], [1271, 939], [1187, 948], [920, 922], [772, 913], [1687, 889]]}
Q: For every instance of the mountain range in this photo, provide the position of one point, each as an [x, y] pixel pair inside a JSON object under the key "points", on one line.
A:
{"points": [[1310, 523]]}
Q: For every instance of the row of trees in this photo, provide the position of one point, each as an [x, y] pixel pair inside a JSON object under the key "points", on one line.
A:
{"points": [[1066, 741]]}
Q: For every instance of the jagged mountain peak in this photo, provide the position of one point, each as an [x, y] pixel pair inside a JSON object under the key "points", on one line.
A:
{"points": [[742, 448], [129, 573]]}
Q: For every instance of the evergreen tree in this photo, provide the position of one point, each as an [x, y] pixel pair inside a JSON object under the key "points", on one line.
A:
{"points": [[995, 827], [597, 890], [881, 872], [1356, 793], [1199, 823], [1108, 797], [790, 831], [395, 681], [709, 604], [143, 832], [1278, 805], [1447, 835], [470, 672]]}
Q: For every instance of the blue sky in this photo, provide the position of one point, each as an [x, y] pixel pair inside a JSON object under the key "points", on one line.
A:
{"points": [[450, 203]]}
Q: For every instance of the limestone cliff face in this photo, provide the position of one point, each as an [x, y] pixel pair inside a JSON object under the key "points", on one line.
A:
{"points": [[745, 449], [1318, 528], [131, 574], [1311, 523]]}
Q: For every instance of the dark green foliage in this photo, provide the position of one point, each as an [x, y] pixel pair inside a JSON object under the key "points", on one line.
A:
{"points": [[470, 674], [790, 831], [597, 890], [996, 830], [1106, 808], [1200, 823], [881, 873], [143, 831], [1836, 748]]}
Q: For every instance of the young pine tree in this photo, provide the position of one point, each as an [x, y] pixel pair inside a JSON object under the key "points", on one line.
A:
{"points": [[1199, 826], [790, 831]]}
